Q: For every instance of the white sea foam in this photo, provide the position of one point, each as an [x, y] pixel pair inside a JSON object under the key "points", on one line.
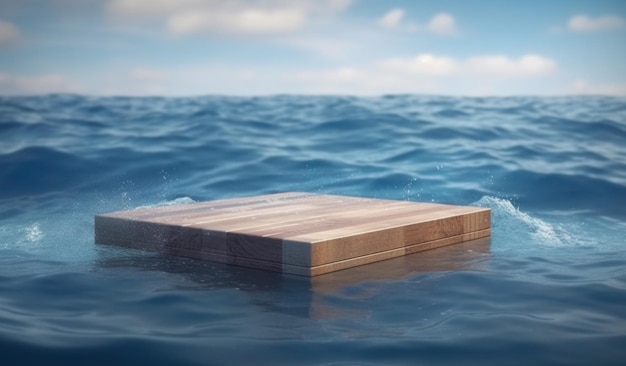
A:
{"points": [[33, 233], [21, 236], [176, 201], [508, 221]]}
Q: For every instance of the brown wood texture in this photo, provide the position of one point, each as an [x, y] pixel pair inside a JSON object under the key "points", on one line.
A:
{"points": [[294, 232]]}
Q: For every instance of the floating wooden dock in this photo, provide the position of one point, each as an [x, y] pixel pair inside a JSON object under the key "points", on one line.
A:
{"points": [[297, 233]]}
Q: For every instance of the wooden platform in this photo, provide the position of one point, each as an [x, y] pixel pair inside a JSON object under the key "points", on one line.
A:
{"points": [[297, 233]]}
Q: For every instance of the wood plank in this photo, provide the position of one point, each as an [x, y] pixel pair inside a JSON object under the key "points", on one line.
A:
{"points": [[392, 253], [383, 235], [294, 232], [180, 213]]}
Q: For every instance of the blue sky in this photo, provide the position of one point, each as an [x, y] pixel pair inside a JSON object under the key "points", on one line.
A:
{"points": [[361, 47]]}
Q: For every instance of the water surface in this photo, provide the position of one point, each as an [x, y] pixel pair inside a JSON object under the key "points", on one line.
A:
{"points": [[548, 288]]}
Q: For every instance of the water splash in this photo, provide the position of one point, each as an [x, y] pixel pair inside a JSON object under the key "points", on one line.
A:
{"points": [[516, 226], [18, 236], [176, 201], [33, 233]]}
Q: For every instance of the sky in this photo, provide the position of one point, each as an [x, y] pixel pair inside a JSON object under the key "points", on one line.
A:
{"points": [[355, 47]]}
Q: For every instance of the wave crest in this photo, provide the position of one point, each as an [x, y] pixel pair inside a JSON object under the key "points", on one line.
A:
{"points": [[517, 226], [175, 201]]}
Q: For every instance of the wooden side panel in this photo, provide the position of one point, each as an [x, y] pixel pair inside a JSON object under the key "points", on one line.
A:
{"points": [[388, 254], [294, 232], [371, 239], [114, 231]]}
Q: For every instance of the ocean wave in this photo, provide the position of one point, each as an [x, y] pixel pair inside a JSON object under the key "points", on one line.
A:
{"points": [[39, 170], [528, 148], [517, 226], [552, 171]]}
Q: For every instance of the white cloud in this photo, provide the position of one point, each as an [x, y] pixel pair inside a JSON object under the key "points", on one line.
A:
{"points": [[9, 33], [442, 24], [424, 65], [392, 18], [423, 73], [525, 66], [486, 67], [357, 81], [428, 73], [51, 83], [584, 23], [581, 86], [190, 17], [267, 21]]}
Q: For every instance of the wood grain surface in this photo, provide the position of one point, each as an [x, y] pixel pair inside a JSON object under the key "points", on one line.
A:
{"points": [[294, 232]]}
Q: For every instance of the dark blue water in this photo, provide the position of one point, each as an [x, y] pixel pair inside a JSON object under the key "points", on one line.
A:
{"points": [[549, 288]]}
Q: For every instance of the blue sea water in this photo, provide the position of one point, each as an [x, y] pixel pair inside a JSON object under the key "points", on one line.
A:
{"points": [[548, 288]]}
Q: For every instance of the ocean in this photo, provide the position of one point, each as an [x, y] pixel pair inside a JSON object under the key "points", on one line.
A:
{"points": [[548, 288]]}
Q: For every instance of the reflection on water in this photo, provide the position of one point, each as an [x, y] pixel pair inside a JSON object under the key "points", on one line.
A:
{"points": [[303, 296], [467, 255], [363, 282]]}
